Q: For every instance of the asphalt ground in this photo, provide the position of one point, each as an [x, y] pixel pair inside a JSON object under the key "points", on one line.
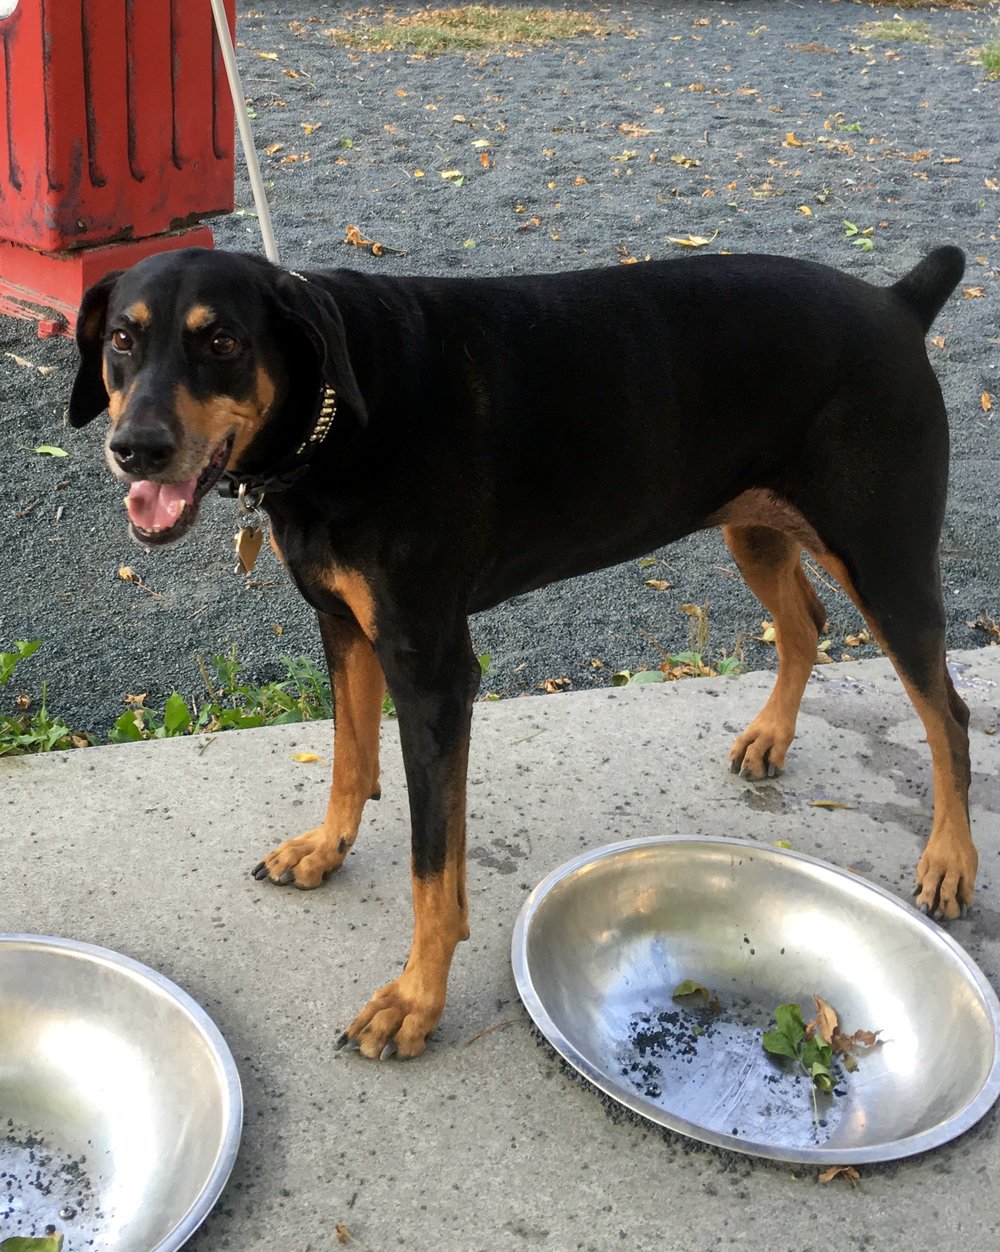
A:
{"points": [[763, 127]]}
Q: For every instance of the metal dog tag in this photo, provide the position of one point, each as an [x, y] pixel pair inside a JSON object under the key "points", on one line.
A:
{"points": [[248, 544]]}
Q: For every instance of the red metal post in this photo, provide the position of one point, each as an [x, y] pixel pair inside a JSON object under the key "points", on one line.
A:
{"points": [[116, 140]]}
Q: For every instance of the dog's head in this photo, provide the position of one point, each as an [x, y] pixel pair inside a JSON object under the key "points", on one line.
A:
{"points": [[206, 361]]}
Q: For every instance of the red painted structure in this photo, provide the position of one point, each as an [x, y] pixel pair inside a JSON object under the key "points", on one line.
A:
{"points": [[116, 139]]}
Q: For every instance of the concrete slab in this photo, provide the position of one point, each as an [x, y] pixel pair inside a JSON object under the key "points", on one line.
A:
{"points": [[486, 1142]]}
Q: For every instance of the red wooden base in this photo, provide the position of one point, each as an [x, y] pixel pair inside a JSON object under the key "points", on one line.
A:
{"points": [[47, 287]]}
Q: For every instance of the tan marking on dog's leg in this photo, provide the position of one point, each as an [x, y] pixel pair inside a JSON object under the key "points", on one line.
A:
{"points": [[406, 1010], [358, 690], [946, 872], [353, 588], [770, 564]]}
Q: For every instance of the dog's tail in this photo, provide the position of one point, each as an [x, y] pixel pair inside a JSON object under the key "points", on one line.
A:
{"points": [[926, 287]]}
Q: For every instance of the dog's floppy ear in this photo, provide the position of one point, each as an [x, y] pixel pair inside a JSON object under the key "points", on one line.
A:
{"points": [[89, 396], [314, 314]]}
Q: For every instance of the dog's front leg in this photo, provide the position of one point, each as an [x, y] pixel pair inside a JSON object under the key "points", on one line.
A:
{"points": [[358, 689], [433, 695]]}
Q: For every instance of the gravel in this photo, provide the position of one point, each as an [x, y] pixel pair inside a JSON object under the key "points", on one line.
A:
{"points": [[761, 126]]}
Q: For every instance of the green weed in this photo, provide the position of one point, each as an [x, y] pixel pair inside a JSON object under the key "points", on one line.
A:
{"points": [[31, 729]]}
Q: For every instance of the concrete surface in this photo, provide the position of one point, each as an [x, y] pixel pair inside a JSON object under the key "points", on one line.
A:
{"points": [[486, 1142]]}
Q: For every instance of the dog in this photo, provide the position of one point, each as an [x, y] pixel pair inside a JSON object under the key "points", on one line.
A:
{"points": [[429, 447]]}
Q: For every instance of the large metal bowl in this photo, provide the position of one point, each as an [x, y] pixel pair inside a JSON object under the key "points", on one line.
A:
{"points": [[120, 1100], [602, 943]]}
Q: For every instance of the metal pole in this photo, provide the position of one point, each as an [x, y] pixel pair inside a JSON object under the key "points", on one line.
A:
{"points": [[246, 136]]}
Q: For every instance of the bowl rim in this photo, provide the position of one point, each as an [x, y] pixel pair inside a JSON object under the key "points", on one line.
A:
{"points": [[232, 1129], [910, 1145]]}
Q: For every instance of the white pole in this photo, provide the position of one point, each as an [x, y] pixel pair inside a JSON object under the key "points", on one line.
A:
{"points": [[246, 136]]}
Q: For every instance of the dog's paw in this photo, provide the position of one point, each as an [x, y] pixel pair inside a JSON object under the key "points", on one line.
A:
{"points": [[304, 861], [760, 751], [946, 875], [398, 1018]]}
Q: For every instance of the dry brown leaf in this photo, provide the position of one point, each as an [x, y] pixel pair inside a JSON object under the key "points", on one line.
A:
{"points": [[658, 584], [986, 401], [855, 641], [768, 633], [688, 163], [790, 141], [272, 148], [937, 341], [485, 161], [847, 1172], [268, 56], [825, 1023], [632, 130], [973, 293], [986, 622], [692, 241], [830, 804], [554, 685]]}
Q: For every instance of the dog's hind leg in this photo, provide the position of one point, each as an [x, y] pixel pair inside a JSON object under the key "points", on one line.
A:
{"points": [[358, 691], [769, 561], [898, 590]]}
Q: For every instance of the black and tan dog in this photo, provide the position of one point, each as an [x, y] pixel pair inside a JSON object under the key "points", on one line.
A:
{"points": [[431, 447]]}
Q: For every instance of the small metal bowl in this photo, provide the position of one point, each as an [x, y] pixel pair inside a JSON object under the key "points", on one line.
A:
{"points": [[120, 1101], [602, 943]]}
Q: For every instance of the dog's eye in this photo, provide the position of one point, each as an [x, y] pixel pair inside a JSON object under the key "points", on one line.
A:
{"points": [[121, 341], [223, 344]]}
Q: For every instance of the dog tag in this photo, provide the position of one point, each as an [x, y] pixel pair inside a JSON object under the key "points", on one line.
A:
{"points": [[248, 544]]}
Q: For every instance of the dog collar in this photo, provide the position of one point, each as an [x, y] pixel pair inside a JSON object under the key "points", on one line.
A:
{"points": [[232, 484]]}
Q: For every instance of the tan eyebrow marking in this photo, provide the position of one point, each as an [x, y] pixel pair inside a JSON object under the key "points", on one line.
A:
{"points": [[199, 317], [139, 313]]}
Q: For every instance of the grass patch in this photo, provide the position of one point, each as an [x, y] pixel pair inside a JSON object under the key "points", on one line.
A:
{"points": [[899, 31], [465, 28], [989, 58]]}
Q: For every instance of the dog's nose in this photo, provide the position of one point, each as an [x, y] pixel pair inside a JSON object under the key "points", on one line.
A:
{"points": [[143, 450]]}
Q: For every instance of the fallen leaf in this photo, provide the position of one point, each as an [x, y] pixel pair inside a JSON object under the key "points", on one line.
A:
{"points": [[20, 360], [790, 141], [825, 1023], [658, 584], [632, 130], [692, 241], [689, 163], [855, 641], [768, 633], [973, 293], [305, 758], [268, 56], [830, 804], [937, 341], [986, 401], [985, 622], [48, 449], [848, 1172], [272, 148], [554, 685], [804, 208], [485, 161], [310, 127]]}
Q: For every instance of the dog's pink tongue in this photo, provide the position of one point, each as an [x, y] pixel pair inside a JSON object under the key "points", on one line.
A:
{"points": [[157, 506]]}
